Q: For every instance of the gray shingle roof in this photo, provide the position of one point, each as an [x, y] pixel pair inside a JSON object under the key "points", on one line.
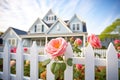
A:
{"points": [[19, 32]]}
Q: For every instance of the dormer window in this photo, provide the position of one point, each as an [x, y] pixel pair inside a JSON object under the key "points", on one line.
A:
{"points": [[76, 27], [50, 18], [73, 26], [39, 28]]}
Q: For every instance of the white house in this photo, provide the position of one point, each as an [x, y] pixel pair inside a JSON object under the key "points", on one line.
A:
{"points": [[47, 28]]}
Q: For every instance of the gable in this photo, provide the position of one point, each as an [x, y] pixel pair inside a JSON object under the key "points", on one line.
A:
{"points": [[50, 17], [76, 25], [59, 28], [38, 27], [10, 33]]}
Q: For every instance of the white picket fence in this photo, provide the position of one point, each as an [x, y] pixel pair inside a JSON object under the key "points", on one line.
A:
{"points": [[111, 62]]}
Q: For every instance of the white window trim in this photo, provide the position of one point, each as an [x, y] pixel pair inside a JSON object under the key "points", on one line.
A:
{"points": [[11, 39], [51, 17], [80, 27], [39, 28]]}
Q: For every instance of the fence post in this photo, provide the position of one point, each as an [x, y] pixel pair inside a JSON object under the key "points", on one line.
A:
{"points": [[19, 62], [112, 63], [33, 62], [68, 75], [6, 62], [89, 63]]}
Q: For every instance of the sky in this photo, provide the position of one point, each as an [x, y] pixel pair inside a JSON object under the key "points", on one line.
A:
{"points": [[21, 14]]}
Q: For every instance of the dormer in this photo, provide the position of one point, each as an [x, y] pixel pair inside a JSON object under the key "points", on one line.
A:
{"points": [[38, 27], [76, 24], [50, 17]]}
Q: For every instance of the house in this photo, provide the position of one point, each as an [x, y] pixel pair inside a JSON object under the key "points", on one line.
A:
{"points": [[12, 36], [50, 26]]}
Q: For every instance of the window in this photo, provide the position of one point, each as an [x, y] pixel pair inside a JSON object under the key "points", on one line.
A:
{"points": [[73, 26], [35, 28], [42, 42], [12, 42], [55, 17], [47, 18], [51, 18], [42, 28], [38, 27], [78, 27]]}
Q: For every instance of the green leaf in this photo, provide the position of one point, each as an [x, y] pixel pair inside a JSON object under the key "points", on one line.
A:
{"points": [[63, 66], [53, 67], [46, 62], [69, 61], [57, 67]]}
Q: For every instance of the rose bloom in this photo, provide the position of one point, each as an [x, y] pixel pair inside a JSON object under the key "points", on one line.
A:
{"points": [[56, 47], [118, 55], [13, 50], [25, 49], [94, 41], [78, 42], [116, 41], [79, 66]]}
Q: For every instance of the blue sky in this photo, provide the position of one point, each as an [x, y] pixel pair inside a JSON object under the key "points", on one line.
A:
{"points": [[21, 14]]}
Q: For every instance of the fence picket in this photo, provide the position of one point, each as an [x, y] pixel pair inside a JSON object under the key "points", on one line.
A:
{"points": [[89, 63], [33, 62], [19, 62], [69, 69], [6, 62], [112, 63], [50, 75]]}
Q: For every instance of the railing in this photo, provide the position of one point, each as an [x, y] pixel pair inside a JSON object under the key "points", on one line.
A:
{"points": [[111, 62]]}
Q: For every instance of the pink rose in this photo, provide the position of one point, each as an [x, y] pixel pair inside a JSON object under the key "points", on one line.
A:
{"points": [[13, 50], [25, 49], [78, 42], [94, 41], [56, 47], [118, 55], [116, 41], [79, 66]]}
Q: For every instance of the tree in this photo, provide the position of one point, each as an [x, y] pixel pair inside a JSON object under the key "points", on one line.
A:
{"points": [[115, 26]]}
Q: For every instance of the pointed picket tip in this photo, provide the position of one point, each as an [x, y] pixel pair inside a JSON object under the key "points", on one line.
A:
{"points": [[111, 63], [34, 44], [89, 49], [69, 51], [89, 63], [111, 49], [33, 48], [19, 47]]}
